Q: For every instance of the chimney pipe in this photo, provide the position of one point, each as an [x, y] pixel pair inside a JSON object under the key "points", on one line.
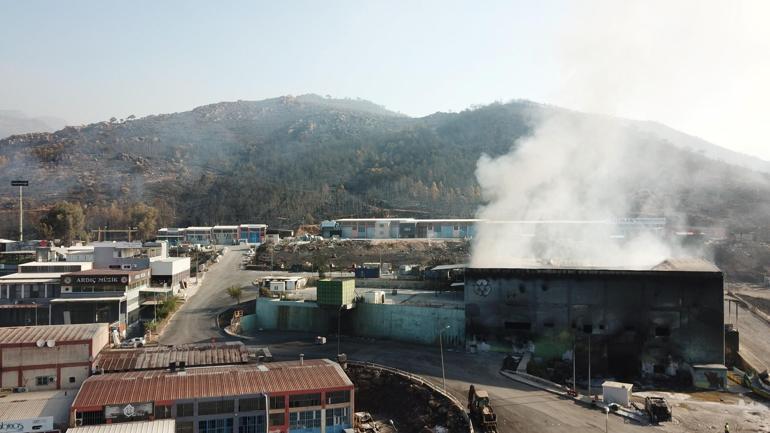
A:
{"points": [[172, 366], [301, 359]]}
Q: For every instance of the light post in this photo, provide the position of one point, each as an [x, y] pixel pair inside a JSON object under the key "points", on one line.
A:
{"points": [[339, 326], [441, 348], [21, 184], [589, 365], [35, 304], [606, 419]]}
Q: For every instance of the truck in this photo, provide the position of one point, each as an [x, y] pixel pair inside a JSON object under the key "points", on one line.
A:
{"points": [[481, 413], [657, 409]]}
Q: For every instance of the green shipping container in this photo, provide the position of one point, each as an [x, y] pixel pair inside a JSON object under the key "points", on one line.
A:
{"points": [[336, 292]]}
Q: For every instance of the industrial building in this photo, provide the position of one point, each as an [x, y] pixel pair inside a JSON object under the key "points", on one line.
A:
{"points": [[638, 322], [102, 295], [174, 236], [309, 396], [36, 411], [161, 357], [217, 235], [25, 296], [458, 228], [224, 235], [44, 358]]}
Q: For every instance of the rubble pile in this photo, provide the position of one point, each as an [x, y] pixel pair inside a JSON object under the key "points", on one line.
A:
{"points": [[412, 407]]}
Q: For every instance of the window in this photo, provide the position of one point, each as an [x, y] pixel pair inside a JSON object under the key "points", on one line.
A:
{"points": [[251, 404], [339, 416], [216, 426], [72, 379], [304, 400], [45, 380], [215, 407], [185, 409], [303, 420], [277, 402], [162, 412], [277, 419], [337, 397], [662, 331], [91, 418], [251, 424], [185, 427], [518, 326]]}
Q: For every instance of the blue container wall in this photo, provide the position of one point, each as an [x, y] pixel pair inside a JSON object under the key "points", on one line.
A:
{"points": [[447, 231]]}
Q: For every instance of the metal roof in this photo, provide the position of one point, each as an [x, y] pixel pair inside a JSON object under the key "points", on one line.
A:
{"points": [[210, 382], [32, 277], [160, 357], [157, 426], [85, 299], [33, 334], [25, 405], [108, 272]]}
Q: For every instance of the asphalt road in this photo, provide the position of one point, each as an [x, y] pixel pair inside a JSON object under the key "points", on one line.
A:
{"points": [[519, 408], [195, 322]]}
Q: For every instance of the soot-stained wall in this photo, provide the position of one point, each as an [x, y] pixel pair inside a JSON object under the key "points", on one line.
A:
{"points": [[638, 321]]}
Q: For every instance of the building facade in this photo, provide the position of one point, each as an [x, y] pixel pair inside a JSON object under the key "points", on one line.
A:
{"points": [[224, 235], [40, 358], [639, 322], [313, 396]]}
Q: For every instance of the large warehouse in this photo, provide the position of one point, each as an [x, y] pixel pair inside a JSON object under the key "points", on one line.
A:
{"points": [[638, 322]]}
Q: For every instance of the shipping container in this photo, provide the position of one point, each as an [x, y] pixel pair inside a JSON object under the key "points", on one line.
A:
{"points": [[336, 292]]}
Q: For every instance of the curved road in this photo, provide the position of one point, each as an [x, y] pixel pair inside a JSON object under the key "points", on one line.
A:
{"points": [[519, 408]]}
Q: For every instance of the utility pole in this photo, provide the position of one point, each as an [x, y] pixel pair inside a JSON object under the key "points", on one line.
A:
{"points": [[574, 366], [589, 365], [21, 184], [441, 347]]}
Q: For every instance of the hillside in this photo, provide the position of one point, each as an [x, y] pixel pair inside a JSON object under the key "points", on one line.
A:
{"points": [[292, 160]]}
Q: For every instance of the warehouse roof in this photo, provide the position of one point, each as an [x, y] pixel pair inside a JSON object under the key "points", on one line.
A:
{"points": [[26, 405], [160, 357], [108, 272], [58, 333], [207, 382], [157, 426], [549, 266]]}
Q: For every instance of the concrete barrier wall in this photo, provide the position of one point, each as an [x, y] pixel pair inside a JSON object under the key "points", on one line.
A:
{"points": [[414, 324], [410, 323]]}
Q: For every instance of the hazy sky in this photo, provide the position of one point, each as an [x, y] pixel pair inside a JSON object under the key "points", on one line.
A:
{"points": [[699, 66]]}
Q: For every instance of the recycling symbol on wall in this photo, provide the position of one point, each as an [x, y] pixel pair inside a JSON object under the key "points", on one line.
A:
{"points": [[481, 287]]}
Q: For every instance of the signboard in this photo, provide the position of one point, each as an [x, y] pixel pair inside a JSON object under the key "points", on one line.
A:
{"points": [[19, 183], [99, 279], [128, 411], [44, 423]]}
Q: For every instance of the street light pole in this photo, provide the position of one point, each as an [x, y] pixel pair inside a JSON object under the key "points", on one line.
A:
{"points": [[589, 365], [441, 348], [339, 321], [606, 419]]}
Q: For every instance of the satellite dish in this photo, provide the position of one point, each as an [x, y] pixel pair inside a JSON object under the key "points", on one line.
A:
{"points": [[50, 343], [40, 343]]}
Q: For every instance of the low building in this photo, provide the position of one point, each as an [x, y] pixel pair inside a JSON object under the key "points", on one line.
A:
{"points": [[25, 296], [157, 426], [10, 261], [224, 235], [198, 235], [102, 295], [120, 255], [161, 357], [310, 396], [170, 272], [174, 236], [252, 233], [35, 412], [36, 358]]}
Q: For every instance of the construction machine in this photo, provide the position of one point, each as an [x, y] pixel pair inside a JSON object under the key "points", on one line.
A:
{"points": [[482, 414]]}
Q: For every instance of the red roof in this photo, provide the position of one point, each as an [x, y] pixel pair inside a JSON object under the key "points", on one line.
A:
{"points": [[207, 382], [150, 358], [58, 333]]}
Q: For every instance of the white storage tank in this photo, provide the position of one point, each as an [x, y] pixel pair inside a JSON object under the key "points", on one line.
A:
{"points": [[617, 392], [375, 297]]}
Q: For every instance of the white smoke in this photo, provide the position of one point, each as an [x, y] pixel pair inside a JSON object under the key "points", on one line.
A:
{"points": [[577, 173]]}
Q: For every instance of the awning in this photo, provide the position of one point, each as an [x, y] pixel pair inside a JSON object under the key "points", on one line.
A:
{"points": [[105, 299], [151, 302], [15, 306], [156, 290]]}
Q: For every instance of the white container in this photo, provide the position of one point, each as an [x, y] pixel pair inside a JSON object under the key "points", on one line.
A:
{"points": [[278, 286], [375, 297], [617, 392]]}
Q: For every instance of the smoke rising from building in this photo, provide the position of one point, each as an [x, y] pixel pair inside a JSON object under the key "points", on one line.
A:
{"points": [[580, 174]]}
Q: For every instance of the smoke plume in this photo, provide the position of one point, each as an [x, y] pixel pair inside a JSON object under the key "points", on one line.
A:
{"points": [[556, 197]]}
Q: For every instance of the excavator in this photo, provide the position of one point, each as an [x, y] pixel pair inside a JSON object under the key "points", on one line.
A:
{"points": [[482, 414]]}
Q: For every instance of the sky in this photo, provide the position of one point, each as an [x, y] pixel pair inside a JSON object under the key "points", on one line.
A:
{"points": [[699, 66]]}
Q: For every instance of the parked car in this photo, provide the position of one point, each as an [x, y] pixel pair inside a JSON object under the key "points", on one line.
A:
{"points": [[133, 342]]}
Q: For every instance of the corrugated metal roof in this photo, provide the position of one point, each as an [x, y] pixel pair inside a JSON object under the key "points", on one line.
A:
{"points": [[157, 426], [207, 382], [153, 358], [32, 334], [25, 405]]}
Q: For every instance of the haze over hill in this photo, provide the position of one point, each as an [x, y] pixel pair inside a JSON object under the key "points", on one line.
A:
{"points": [[291, 160], [15, 122]]}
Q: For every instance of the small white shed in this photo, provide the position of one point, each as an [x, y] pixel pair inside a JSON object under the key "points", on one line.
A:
{"points": [[617, 392]]}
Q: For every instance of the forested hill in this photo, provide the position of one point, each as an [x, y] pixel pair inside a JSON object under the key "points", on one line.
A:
{"points": [[293, 160]]}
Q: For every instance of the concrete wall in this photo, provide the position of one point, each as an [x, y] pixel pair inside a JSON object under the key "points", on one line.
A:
{"points": [[409, 323]]}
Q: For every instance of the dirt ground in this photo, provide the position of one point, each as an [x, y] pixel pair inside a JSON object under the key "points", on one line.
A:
{"points": [[343, 254]]}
